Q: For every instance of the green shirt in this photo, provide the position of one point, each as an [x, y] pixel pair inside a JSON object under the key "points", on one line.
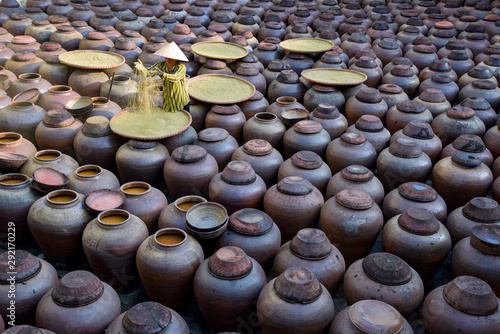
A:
{"points": [[175, 95]]}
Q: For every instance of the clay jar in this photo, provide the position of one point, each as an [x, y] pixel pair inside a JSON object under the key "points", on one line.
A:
{"points": [[189, 171], [306, 135], [478, 211], [57, 222], [256, 104], [123, 91], [79, 300], [311, 249], [228, 117], [294, 203], [434, 100], [384, 276], [218, 143], [174, 215], [88, 178], [350, 149], [456, 121], [319, 94], [352, 222], [482, 109], [250, 73], [255, 233], [67, 37], [370, 315], [392, 94], [167, 262], [213, 66], [476, 73], [370, 68], [405, 112], [150, 316], [367, 101], [110, 243], [54, 71], [141, 161], [104, 107], [229, 282], [28, 81], [50, 158], [286, 84], [417, 237], [404, 77], [284, 103], [264, 159], [466, 304], [144, 201], [309, 166], [469, 144], [87, 82], [14, 143], [478, 255], [237, 187], [482, 88], [373, 130], [328, 115], [295, 302], [438, 66], [356, 177], [56, 97], [422, 134]]}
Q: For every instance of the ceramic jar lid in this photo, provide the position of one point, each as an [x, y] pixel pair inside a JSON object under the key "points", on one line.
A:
{"points": [[369, 123], [467, 160], [307, 127], [369, 95], [460, 112], [418, 221], [307, 160], [417, 191], [354, 199], [470, 295], [326, 111], [390, 89], [411, 107], [26, 266], [226, 110], [250, 221], [476, 103], [387, 269], [402, 71], [357, 173], [257, 147], [486, 239], [147, 318], [230, 263], [310, 243], [189, 153], [418, 130], [238, 173], [432, 95], [213, 134], [469, 143], [295, 186], [58, 118], [353, 138], [96, 126], [482, 209], [374, 316], [297, 285], [77, 288], [405, 148]]}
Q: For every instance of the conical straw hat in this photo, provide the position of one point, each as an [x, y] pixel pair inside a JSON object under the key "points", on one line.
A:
{"points": [[172, 51]]}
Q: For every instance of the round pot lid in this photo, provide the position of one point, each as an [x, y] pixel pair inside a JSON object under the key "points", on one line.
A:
{"points": [[470, 295], [353, 138], [230, 263], [238, 173], [469, 143], [369, 123], [297, 285], [417, 191], [213, 134], [357, 173], [354, 199], [482, 209], [387, 269], [189, 153], [147, 318], [26, 266], [307, 160], [374, 316], [307, 127], [418, 130], [295, 186], [257, 147], [467, 160], [419, 221], [250, 221], [311, 243], [77, 288], [486, 239], [405, 148]]}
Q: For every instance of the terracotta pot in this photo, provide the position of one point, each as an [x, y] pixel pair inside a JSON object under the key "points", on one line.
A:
{"points": [[87, 82], [150, 315], [373, 130], [405, 112], [286, 84], [476, 73], [464, 301], [482, 88], [392, 94], [265, 126], [33, 278], [280, 202], [460, 61], [414, 194], [50, 158], [229, 281], [189, 171], [184, 138], [57, 222], [28, 81], [306, 135], [229, 117], [255, 233], [14, 143], [67, 37], [330, 119], [370, 68], [403, 76], [422, 134], [367, 101], [456, 121], [350, 149], [56, 97], [378, 275], [434, 100], [174, 215], [482, 109], [169, 256], [55, 72], [469, 144], [88, 178], [218, 143], [256, 104], [284, 302], [78, 293], [141, 161], [104, 107]]}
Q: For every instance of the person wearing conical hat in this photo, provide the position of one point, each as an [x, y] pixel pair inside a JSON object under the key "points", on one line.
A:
{"points": [[173, 74]]}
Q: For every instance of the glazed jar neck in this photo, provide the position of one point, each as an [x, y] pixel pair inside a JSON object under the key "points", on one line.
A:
{"points": [[266, 119], [23, 180], [10, 139], [136, 189], [63, 205], [124, 220]]}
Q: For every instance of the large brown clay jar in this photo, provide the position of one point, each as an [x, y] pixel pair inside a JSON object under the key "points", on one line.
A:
{"points": [[385, 277], [14, 143], [306, 135], [229, 283], [266, 126], [434, 100], [21, 117], [350, 149], [405, 112], [218, 143], [229, 117], [56, 97], [174, 215], [392, 94], [189, 171], [372, 128], [422, 134], [167, 262], [50, 158], [88, 178], [352, 222], [455, 122], [417, 237], [328, 115], [294, 203], [468, 143], [367, 101]]}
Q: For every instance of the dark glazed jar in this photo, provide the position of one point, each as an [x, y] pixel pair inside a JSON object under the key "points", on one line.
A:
{"points": [[478, 211], [50, 158], [434, 100], [385, 277], [404, 112], [294, 203], [237, 187], [479, 256], [174, 215], [479, 72], [189, 171], [266, 126], [218, 143], [256, 104], [422, 134], [311, 249], [282, 104], [319, 94], [455, 122], [306, 135], [444, 83], [404, 77], [110, 243], [367, 101], [414, 194], [350, 149], [483, 110], [392, 94], [359, 178], [469, 144], [144, 201], [79, 300], [14, 143], [328, 115], [88, 178], [295, 302], [167, 262], [286, 84], [460, 178], [466, 304], [255, 233], [373, 130], [422, 56], [417, 237], [352, 222], [30, 277], [482, 88], [141, 161], [229, 283], [228, 117], [438, 66]]}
